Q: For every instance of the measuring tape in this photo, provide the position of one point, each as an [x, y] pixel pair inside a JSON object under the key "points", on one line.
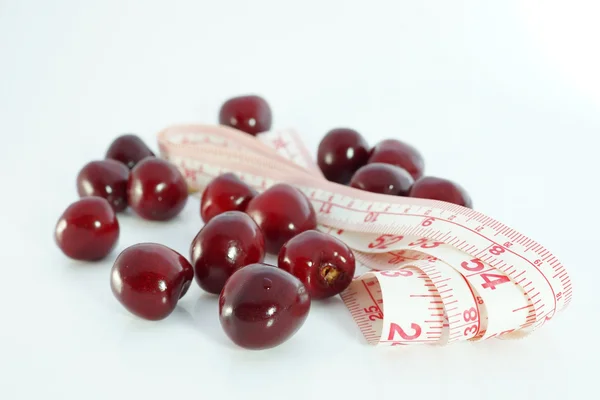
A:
{"points": [[428, 272]]}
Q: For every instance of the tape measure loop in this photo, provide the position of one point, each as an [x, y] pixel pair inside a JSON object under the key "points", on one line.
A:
{"points": [[445, 273]]}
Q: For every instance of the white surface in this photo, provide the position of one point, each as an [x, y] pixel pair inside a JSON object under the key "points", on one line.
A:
{"points": [[503, 97]]}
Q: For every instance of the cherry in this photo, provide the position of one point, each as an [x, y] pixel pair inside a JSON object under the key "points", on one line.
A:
{"points": [[395, 152], [250, 114], [430, 187], [225, 244], [148, 279], [281, 212], [262, 306], [128, 149], [107, 179], [383, 178], [225, 193], [88, 229], [341, 152], [156, 189], [323, 263]]}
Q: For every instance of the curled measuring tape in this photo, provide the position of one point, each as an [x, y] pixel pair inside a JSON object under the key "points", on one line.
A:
{"points": [[429, 272]]}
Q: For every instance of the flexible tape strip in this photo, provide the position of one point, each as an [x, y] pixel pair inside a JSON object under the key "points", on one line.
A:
{"points": [[510, 284]]}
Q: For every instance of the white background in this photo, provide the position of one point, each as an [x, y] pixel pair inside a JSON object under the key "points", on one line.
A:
{"points": [[501, 96]]}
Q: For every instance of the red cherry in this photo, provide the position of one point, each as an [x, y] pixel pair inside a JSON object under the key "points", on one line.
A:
{"points": [[156, 189], [225, 193], [281, 212], [107, 179], [88, 230], [262, 306], [324, 264], [128, 149], [225, 244], [148, 279], [429, 187], [341, 152], [395, 152], [383, 178], [250, 114]]}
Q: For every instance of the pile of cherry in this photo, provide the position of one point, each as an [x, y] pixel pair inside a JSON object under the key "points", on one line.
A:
{"points": [[260, 305]]}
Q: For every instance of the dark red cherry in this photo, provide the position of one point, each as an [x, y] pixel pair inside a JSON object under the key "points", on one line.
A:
{"points": [[281, 212], [128, 149], [341, 153], [225, 244], [383, 178], [156, 189], [262, 306], [324, 264], [88, 230], [225, 193], [250, 114], [395, 152], [430, 187], [107, 179], [148, 279]]}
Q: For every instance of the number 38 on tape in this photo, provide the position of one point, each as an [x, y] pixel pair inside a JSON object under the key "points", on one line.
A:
{"points": [[431, 272]]}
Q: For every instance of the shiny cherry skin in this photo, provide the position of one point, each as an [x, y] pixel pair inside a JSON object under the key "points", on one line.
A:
{"points": [[156, 189], [225, 193], [148, 279], [401, 154], [225, 244], [323, 263], [107, 179], [128, 149], [281, 212], [88, 229], [262, 306], [341, 153], [383, 178], [430, 187], [250, 114]]}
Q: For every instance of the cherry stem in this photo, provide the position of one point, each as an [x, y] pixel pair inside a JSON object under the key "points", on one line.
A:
{"points": [[329, 273]]}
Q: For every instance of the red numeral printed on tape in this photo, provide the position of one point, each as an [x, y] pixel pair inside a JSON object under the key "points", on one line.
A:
{"points": [[396, 329], [497, 250], [474, 265], [427, 222], [394, 274], [374, 313], [425, 243], [468, 316], [470, 330], [383, 241], [371, 216], [493, 280]]}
